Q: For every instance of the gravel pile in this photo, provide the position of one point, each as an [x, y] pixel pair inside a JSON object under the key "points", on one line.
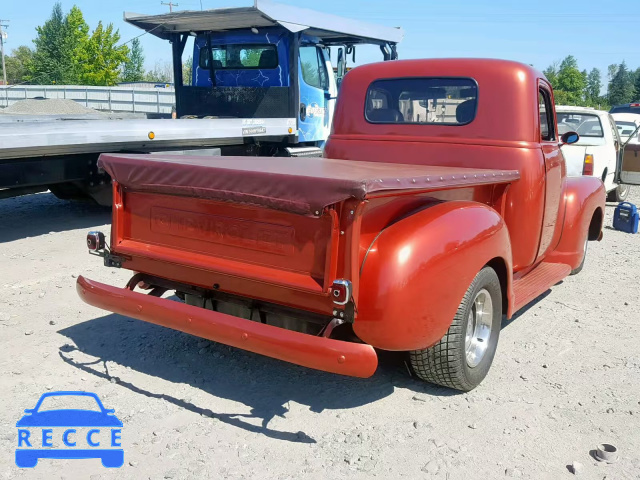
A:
{"points": [[46, 107]]}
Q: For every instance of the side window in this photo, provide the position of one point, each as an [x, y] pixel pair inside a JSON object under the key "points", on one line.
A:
{"points": [[547, 128], [314, 69]]}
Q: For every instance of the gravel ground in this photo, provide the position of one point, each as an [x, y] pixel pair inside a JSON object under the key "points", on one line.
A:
{"points": [[565, 378]]}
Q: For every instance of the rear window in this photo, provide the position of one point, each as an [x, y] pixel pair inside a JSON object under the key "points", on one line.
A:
{"points": [[626, 129], [239, 57], [586, 125], [429, 101]]}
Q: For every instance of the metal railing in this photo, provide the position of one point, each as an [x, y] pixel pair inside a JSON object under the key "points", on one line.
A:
{"points": [[112, 99]]}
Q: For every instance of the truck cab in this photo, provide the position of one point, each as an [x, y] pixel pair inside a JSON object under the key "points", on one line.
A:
{"points": [[264, 64]]}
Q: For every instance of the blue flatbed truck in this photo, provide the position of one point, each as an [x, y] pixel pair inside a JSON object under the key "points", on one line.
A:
{"points": [[262, 83]]}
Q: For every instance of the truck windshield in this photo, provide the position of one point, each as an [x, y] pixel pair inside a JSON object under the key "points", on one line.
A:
{"points": [[587, 125], [240, 57], [436, 101]]}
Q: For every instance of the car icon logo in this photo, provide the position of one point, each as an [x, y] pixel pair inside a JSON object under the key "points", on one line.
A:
{"points": [[69, 433]]}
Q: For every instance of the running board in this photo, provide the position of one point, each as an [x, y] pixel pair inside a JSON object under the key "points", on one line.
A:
{"points": [[538, 281]]}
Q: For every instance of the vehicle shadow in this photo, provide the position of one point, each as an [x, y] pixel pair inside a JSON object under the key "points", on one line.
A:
{"points": [[265, 385], [525, 309], [42, 213]]}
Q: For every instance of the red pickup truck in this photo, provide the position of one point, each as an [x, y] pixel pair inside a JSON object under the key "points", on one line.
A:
{"points": [[442, 206]]}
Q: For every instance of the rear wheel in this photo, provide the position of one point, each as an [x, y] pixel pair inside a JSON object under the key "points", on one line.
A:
{"points": [[619, 194], [462, 358]]}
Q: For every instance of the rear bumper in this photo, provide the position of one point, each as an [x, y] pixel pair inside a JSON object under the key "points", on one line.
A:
{"points": [[335, 356]]}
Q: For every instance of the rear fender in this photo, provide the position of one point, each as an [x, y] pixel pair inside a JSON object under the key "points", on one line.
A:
{"points": [[418, 269], [583, 219]]}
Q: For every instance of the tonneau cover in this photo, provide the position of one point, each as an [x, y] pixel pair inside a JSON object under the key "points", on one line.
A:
{"points": [[299, 185]]}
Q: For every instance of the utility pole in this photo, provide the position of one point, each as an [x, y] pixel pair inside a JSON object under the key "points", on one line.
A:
{"points": [[170, 4], [4, 68]]}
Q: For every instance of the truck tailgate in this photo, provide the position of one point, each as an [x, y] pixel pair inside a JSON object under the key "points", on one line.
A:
{"points": [[246, 222]]}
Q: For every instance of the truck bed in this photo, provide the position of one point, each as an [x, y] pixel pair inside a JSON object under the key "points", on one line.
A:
{"points": [[300, 185]]}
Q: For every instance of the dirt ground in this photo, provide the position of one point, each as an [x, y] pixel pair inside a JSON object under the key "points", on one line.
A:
{"points": [[565, 379]]}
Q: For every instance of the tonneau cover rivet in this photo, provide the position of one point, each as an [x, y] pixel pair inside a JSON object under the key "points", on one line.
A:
{"points": [[341, 359]]}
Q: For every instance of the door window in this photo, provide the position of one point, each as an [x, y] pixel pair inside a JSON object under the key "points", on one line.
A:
{"points": [[314, 68], [547, 128]]}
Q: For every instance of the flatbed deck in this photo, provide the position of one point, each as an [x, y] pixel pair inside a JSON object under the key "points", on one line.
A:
{"points": [[59, 137]]}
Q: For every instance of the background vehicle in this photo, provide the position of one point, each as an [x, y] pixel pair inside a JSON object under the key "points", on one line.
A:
{"points": [[628, 126], [263, 84], [410, 237], [626, 108], [599, 149]]}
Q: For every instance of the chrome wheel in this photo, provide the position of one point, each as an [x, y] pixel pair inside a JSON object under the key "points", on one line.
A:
{"points": [[478, 331]]}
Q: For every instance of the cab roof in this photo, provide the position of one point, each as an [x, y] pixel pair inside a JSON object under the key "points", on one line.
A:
{"points": [[331, 29]]}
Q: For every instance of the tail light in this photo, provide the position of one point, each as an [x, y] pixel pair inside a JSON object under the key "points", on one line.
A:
{"points": [[587, 168], [95, 241], [341, 292]]}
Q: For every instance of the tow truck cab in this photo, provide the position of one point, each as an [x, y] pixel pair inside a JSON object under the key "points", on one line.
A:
{"points": [[268, 61]]}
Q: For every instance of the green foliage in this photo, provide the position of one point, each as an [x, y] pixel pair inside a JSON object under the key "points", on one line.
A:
{"points": [[636, 94], [161, 73], [18, 65], [552, 73], [52, 61], [621, 86], [187, 70], [571, 82], [582, 88], [133, 68], [65, 53], [594, 83]]}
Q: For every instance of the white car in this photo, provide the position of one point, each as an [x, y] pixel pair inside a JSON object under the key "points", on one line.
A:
{"points": [[628, 125], [597, 153]]}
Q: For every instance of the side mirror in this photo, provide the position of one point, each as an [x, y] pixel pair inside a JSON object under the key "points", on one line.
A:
{"points": [[341, 64], [569, 138]]}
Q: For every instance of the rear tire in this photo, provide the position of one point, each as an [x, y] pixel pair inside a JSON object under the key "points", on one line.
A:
{"points": [[462, 358], [618, 194]]}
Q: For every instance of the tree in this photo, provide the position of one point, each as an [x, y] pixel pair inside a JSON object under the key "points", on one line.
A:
{"points": [[636, 95], [51, 62], [133, 68], [611, 71], [571, 81], [621, 87], [103, 57], [76, 36], [187, 71], [552, 73], [162, 73], [60, 48], [592, 91], [18, 65]]}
